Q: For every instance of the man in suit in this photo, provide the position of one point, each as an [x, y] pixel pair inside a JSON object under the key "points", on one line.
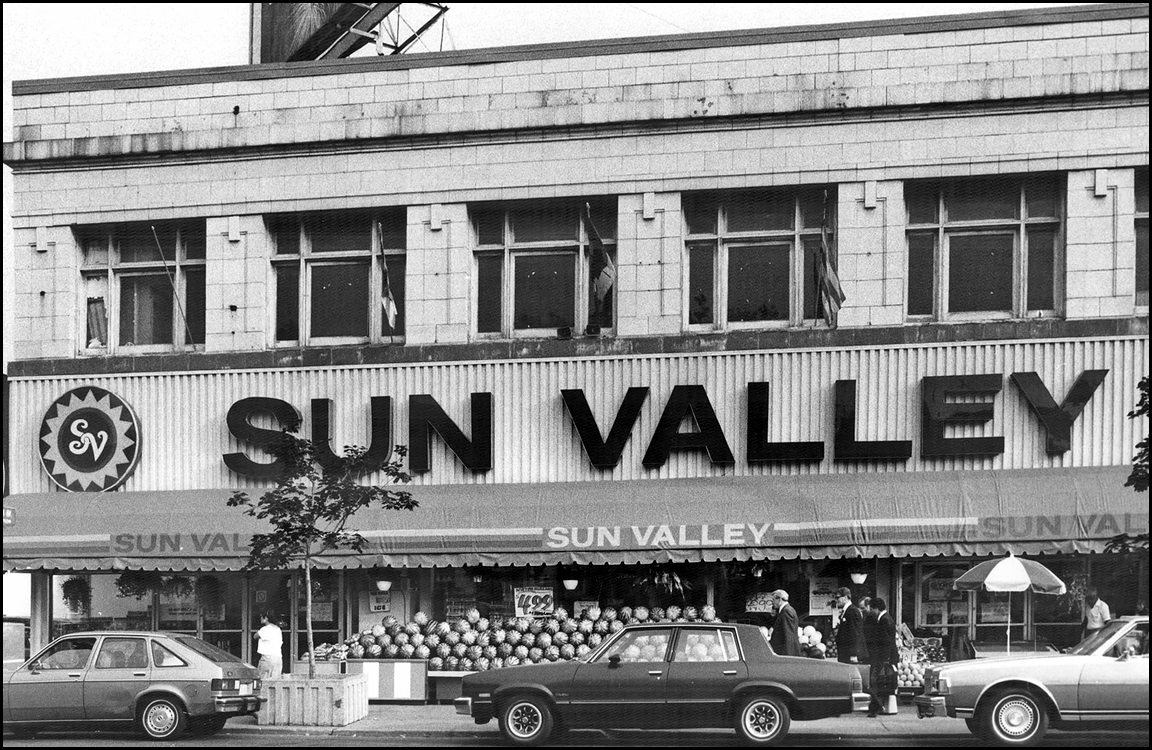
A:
{"points": [[880, 639], [850, 648], [785, 639]]}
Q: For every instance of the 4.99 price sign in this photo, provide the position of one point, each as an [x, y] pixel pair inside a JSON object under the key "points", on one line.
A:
{"points": [[534, 602]]}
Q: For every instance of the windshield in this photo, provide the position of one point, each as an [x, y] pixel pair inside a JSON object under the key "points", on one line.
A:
{"points": [[1092, 643], [207, 650]]}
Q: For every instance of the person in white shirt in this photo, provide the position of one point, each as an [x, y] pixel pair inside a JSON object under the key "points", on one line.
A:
{"points": [[1096, 614], [269, 647]]}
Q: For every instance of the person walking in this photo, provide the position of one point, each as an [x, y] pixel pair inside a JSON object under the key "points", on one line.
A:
{"points": [[269, 647], [880, 638], [1096, 614], [785, 640]]}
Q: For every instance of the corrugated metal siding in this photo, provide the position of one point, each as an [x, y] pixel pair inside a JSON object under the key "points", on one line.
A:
{"points": [[184, 432]]}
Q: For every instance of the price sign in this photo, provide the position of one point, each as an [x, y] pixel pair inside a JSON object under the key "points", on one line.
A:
{"points": [[534, 602], [380, 601]]}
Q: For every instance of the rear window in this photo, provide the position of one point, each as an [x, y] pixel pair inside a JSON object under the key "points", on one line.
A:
{"points": [[207, 650]]}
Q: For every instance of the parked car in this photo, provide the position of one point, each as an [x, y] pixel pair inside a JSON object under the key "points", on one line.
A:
{"points": [[666, 675], [161, 682], [1013, 701]]}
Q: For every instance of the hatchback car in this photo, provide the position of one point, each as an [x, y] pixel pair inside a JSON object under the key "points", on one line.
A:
{"points": [[1012, 701], [161, 682], [667, 676]]}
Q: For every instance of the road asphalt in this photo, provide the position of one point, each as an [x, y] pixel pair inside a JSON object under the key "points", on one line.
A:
{"points": [[392, 720]]}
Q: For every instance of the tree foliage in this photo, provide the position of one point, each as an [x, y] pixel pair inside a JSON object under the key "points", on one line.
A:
{"points": [[1138, 479], [309, 508]]}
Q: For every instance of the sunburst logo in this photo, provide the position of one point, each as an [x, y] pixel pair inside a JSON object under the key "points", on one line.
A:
{"points": [[89, 440]]}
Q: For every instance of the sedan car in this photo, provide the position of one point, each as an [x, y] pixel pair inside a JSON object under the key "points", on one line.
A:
{"points": [[161, 682], [1013, 701], [666, 675]]}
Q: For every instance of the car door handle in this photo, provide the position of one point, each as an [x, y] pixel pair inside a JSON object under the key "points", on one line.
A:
{"points": [[655, 672], [145, 674], [729, 671], [75, 674]]}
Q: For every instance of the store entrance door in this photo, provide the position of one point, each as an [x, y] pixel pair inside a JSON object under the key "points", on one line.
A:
{"points": [[271, 593]]}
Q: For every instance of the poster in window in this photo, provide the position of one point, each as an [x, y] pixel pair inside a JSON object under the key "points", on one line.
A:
{"points": [[380, 601], [940, 589], [958, 613], [994, 612], [323, 612], [934, 613], [822, 595]]}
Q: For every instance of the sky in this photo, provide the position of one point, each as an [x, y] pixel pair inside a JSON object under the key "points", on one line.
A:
{"points": [[72, 39]]}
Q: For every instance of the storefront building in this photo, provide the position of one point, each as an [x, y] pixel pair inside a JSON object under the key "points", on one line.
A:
{"points": [[206, 256]]}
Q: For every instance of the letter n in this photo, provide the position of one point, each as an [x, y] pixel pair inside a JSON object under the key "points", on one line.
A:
{"points": [[426, 416]]}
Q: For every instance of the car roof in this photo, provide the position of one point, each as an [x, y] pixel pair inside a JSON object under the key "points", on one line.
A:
{"points": [[152, 633]]}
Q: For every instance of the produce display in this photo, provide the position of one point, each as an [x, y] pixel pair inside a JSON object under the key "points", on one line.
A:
{"points": [[475, 643], [915, 660]]}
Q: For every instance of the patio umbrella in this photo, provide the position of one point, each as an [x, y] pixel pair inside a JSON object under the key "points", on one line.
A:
{"points": [[1010, 574]]}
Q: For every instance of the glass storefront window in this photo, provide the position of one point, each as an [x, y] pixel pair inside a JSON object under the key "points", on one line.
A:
{"points": [[95, 602], [939, 607]]}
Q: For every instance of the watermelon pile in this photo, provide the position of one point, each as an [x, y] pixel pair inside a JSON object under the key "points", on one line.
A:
{"points": [[473, 643]]}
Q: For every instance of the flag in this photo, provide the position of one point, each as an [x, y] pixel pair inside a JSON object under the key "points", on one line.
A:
{"points": [[831, 294], [386, 299], [602, 271]]}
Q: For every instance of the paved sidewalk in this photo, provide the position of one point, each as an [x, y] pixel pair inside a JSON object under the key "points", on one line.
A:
{"points": [[442, 721]]}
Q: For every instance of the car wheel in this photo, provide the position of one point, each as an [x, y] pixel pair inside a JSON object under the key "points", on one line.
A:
{"points": [[1012, 718], [163, 719], [526, 720], [763, 720]]}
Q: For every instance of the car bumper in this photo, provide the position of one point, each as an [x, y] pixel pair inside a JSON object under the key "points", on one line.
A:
{"points": [[481, 711], [860, 702], [238, 704], [929, 706]]}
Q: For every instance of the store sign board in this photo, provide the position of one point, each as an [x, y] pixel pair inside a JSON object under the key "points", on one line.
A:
{"points": [[534, 601], [759, 602], [946, 402], [380, 601], [89, 440]]}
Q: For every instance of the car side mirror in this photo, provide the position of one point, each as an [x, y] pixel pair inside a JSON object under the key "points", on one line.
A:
{"points": [[613, 661], [1124, 655], [35, 666]]}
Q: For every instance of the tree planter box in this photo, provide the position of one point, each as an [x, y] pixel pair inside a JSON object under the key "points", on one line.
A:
{"points": [[323, 701], [324, 667], [393, 679]]}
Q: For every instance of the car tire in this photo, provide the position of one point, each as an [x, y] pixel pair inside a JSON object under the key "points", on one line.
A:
{"points": [[526, 720], [762, 720], [1012, 717], [163, 718]]}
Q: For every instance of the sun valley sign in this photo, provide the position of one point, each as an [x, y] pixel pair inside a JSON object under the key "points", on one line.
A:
{"points": [[945, 401]]}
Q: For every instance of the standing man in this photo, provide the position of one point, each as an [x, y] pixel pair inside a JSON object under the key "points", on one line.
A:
{"points": [[880, 637], [785, 639], [269, 647], [850, 646], [1096, 614]]}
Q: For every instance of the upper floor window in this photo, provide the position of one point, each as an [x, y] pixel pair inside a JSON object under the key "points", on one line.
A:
{"points": [[1142, 237], [144, 285], [984, 248], [539, 268], [752, 256], [339, 276]]}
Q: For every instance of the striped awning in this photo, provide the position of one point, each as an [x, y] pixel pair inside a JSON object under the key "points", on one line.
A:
{"points": [[725, 518]]}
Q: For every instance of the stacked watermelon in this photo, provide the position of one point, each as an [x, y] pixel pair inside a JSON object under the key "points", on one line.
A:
{"points": [[475, 643]]}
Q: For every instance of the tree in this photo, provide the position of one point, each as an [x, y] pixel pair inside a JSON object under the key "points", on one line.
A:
{"points": [[1138, 479], [309, 508]]}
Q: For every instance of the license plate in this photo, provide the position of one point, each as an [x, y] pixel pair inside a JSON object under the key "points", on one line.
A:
{"points": [[245, 688]]}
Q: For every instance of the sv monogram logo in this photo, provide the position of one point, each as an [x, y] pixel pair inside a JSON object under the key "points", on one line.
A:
{"points": [[88, 440]]}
